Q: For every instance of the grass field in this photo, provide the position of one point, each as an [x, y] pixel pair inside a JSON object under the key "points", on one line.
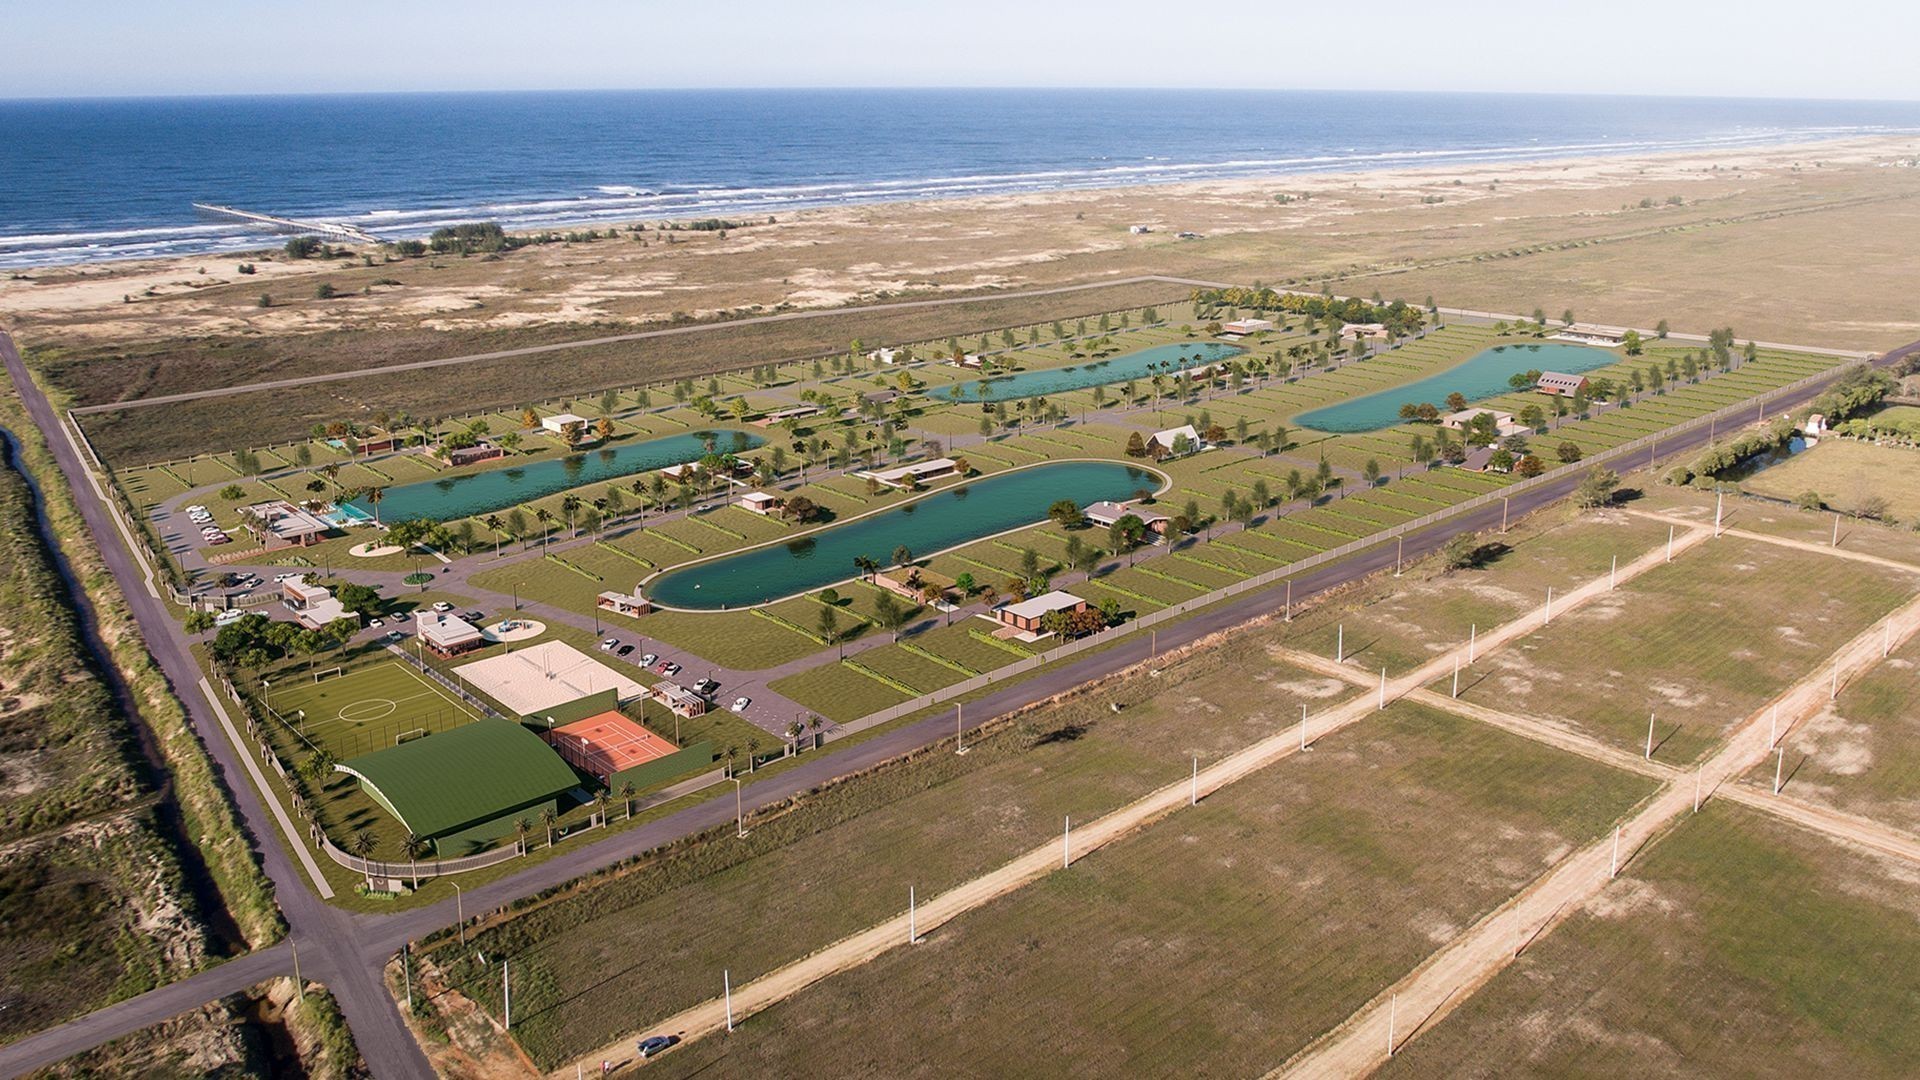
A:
{"points": [[1699, 643], [366, 708], [1218, 941], [1738, 946], [845, 857], [1846, 474]]}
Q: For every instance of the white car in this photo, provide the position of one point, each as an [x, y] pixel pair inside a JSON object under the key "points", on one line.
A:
{"points": [[740, 704], [278, 578], [374, 624], [442, 607], [607, 645], [228, 616], [648, 659]]}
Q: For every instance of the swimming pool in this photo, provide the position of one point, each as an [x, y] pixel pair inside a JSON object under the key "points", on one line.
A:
{"points": [[1166, 359], [934, 523], [496, 489], [1481, 376]]}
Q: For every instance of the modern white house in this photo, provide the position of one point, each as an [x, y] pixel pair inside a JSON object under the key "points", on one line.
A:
{"points": [[1105, 513], [556, 426], [885, 356], [1243, 327], [1371, 331], [278, 523], [1556, 384], [760, 502], [313, 606], [1165, 440], [450, 635], [902, 475], [1503, 422]]}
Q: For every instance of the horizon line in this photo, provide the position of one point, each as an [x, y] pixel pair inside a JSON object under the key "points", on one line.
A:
{"points": [[924, 88]]}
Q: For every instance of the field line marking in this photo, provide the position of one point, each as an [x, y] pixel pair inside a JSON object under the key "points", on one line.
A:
{"points": [[267, 796], [1434, 988], [711, 1016]]}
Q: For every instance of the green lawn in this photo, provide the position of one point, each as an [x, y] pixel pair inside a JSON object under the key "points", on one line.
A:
{"points": [[1847, 474], [1737, 946]]}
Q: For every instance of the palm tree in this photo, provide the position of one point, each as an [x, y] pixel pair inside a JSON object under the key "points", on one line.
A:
{"points": [[569, 506], [543, 515], [794, 729], [753, 752], [549, 817], [493, 522], [814, 724], [521, 827], [626, 795], [729, 755], [600, 800], [374, 495], [414, 842], [363, 845]]}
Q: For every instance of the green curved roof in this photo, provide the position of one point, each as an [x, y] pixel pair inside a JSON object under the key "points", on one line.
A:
{"points": [[461, 777]]}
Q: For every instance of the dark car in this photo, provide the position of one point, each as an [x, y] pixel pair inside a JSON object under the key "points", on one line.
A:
{"points": [[624, 650], [657, 1044], [473, 617]]}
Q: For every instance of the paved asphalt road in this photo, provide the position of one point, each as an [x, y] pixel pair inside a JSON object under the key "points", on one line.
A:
{"points": [[615, 339], [346, 951]]}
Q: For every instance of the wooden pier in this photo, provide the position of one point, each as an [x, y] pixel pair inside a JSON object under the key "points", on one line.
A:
{"points": [[295, 225]]}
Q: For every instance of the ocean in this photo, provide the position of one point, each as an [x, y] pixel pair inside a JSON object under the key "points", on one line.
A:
{"points": [[94, 179]]}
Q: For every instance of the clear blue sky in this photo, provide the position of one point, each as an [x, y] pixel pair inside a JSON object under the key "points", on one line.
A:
{"points": [[1760, 48]]}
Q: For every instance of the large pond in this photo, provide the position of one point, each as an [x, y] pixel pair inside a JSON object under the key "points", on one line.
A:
{"points": [[514, 485], [943, 520], [1162, 359], [1482, 376]]}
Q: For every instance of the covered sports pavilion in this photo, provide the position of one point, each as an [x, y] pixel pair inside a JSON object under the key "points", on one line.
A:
{"points": [[462, 788]]}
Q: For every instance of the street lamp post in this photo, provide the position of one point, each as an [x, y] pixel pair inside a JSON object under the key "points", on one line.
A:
{"points": [[460, 910]]}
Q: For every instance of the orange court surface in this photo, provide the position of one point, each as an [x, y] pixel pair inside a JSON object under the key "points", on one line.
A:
{"points": [[607, 744]]}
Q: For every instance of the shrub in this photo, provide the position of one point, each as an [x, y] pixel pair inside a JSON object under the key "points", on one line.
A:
{"points": [[1463, 552], [233, 493], [1810, 500]]}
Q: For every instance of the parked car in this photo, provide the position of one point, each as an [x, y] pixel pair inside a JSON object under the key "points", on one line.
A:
{"points": [[442, 606], [473, 617], [227, 616], [607, 645], [374, 624], [648, 659], [740, 704], [673, 669], [705, 686], [662, 666], [624, 650], [394, 635], [278, 578], [657, 1044]]}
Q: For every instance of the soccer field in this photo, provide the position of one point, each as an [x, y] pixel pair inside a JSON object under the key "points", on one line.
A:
{"points": [[361, 710]]}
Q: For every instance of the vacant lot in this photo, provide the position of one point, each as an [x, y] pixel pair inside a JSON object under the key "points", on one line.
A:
{"points": [[1400, 624], [1699, 644], [1772, 519], [1847, 475], [1220, 940], [656, 939], [1738, 946], [1862, 752]]}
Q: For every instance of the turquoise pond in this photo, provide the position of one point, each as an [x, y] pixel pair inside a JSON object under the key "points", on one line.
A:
{"points": [[943, 520], [1117, 369], [1482, 376], [513, 485]]}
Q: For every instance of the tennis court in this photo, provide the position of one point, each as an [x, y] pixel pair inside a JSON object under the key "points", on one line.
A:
{"points": [[607, 744], [354, 711]]}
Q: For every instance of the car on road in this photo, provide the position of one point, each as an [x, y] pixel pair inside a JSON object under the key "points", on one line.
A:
{"points": [[624, 650], [442, 607], [740, 704], [401, 616], [657, 1044], [394, 635], [374, 624], [647, 660]]}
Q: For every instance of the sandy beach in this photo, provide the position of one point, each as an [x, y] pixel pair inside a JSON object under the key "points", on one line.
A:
{"points": [[1753, 237]]}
